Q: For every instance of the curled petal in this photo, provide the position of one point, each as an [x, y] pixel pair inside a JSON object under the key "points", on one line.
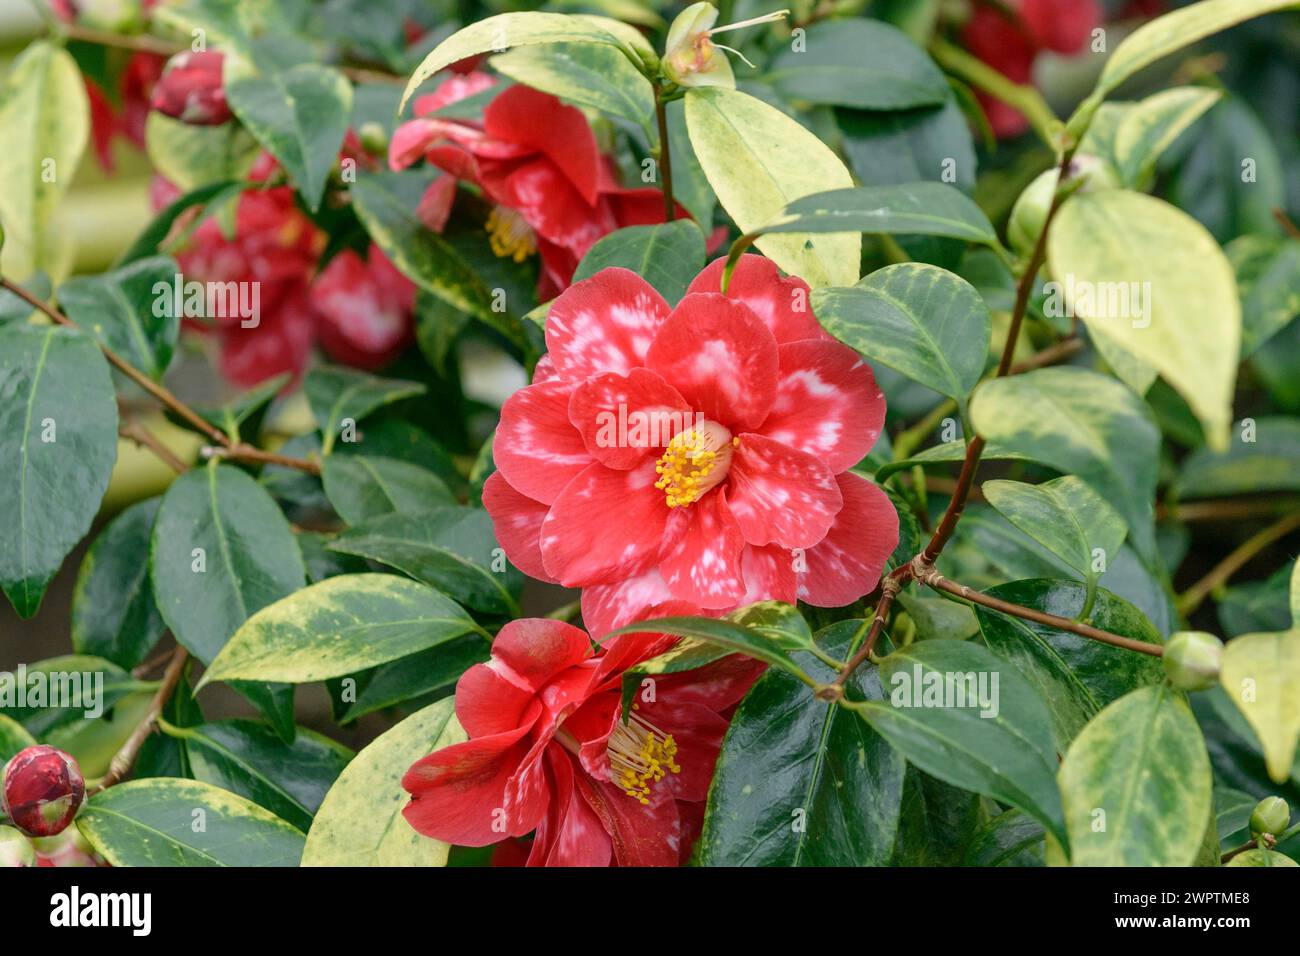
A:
{"points": [[517, 522], [622, 418]]}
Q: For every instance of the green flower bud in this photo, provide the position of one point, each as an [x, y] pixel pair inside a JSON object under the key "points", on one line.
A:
{"points": [[1192, 660], [1271, 816], [15, 849], [373, 138], [1030, 211]]}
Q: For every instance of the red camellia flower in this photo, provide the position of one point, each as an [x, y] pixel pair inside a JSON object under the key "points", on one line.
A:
{"points": [[365, 308], [191, 89], [537, 161], [1010, 41], [549, 750], [695, 455], [43, 790]]}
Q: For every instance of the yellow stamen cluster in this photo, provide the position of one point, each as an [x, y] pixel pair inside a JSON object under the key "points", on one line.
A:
{"points": [[640, 754], [696, 460], [509, 235]]}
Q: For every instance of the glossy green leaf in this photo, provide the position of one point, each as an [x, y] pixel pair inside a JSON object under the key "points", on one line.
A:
{"points": [[1009, 839], [113, 611], [338, 626], [946, 714], [894, 147], [1083, 423], [758, 161], [46, 118], [593, 75], [127, 312], [58, 442], [802, 782], [361, 487], [249, 758], [452, 548], [340, 395], [1258, 857], [300, 116], [668, 255], [858, 62], [13, 738], [409, 679], [1263, 455], [248, 558], [386, 207], [360, 821], [924, 321], [1155, 282], [722, 634], [1261, 674], [1065, 516], [170, 822], [1075, 676], [1268, 281], [1136, 784]]}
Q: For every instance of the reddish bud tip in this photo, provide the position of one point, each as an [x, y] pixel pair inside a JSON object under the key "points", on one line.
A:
{"points": [[43, 790], [190, 89]]}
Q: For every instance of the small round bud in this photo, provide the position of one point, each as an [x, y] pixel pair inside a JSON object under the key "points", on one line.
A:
{"points": [[1192, 660], [43, 790], [15, 849], [1030, 211], [373, 138], [191, 89], [1271, 816]]}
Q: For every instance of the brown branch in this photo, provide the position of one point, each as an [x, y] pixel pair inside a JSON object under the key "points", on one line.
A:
{"points": [[889, 588], [1052, 355], [124, 759], [1227, 509], [137, 433], [224, 447], [1191, 599], [932, 578], [974, 448], [159, 46], [1285, 222]]}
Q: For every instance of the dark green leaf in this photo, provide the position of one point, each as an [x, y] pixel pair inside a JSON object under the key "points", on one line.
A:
{"points": [[338, 395], [668, 256], [131, 311], [361, 488], [58, 442]]}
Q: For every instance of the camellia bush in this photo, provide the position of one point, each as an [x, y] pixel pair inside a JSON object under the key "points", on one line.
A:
{"points": [[657, 434]]}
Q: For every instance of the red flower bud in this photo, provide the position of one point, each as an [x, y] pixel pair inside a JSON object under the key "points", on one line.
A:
{"points": [[190, 90], [43, 790]]}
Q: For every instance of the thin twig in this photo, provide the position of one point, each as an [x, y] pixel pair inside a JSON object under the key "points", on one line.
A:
{"points": [[1191, 599], [124, 759], [932, 578], [223, 446], [889, 588], [1226, 509], [137, 433], [1285, 222]]}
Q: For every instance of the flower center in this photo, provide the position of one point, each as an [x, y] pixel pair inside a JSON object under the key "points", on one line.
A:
{"points": [[696, 461], [510, 236], [640, 755]]}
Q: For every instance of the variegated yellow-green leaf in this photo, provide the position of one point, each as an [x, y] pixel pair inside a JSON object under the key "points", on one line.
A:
{"points": [[1149, 126], [195, 156], [360, 821], [1261, 858], [1154, 281], [1136, 784], [504, 31], [1173, 31], [156, 822], [1261, 673], [46, 120], [339, 626], [1065, 516], [759, 160]]}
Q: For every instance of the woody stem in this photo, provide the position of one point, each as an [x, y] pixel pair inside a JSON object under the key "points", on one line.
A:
{"points": [[665, 156]]}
